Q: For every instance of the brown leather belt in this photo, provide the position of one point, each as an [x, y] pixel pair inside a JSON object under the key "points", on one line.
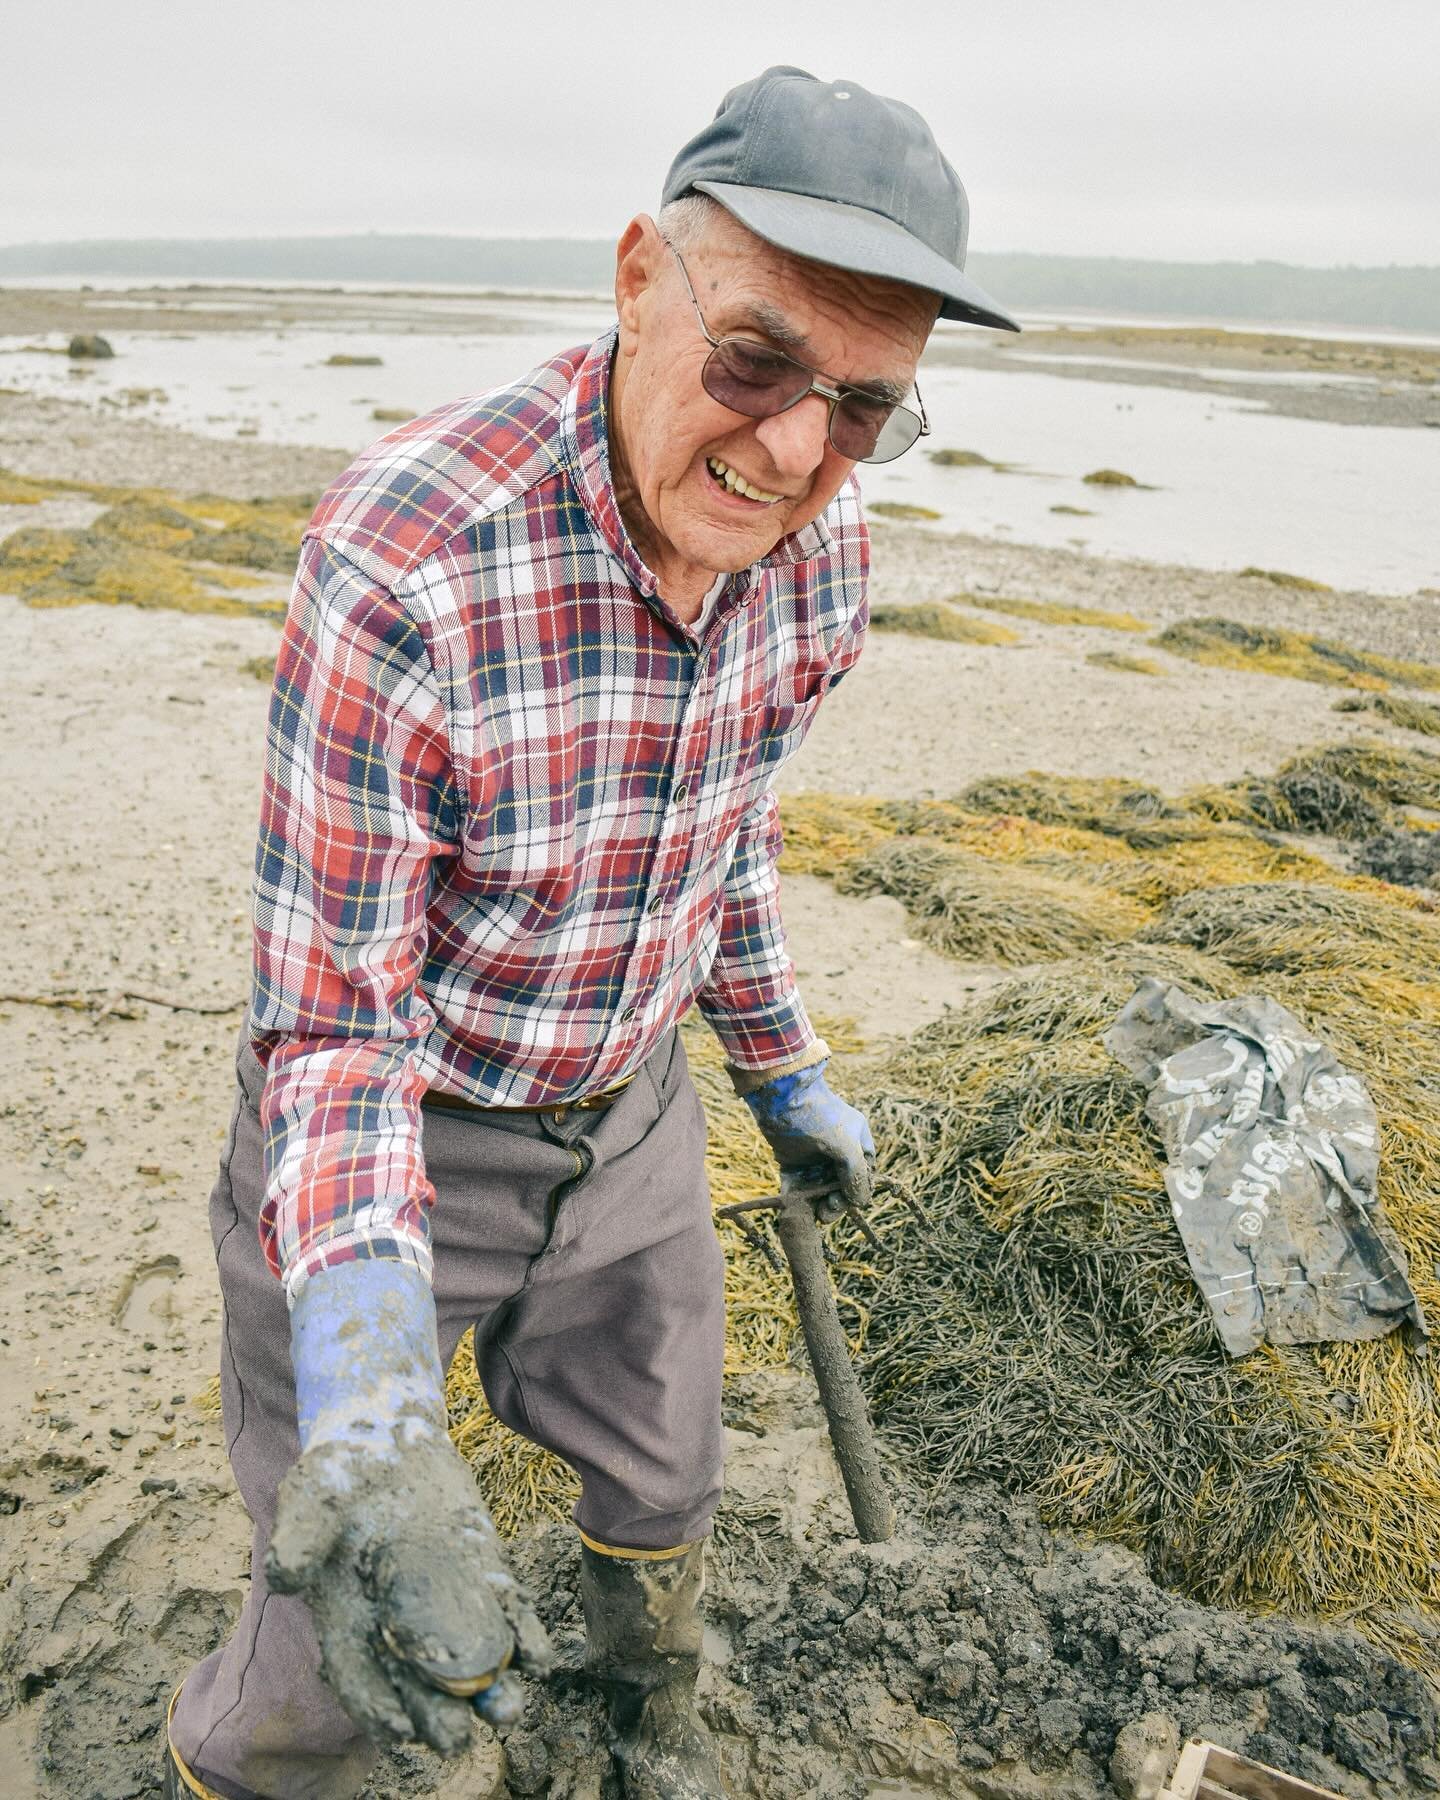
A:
{"points": [[441, 1102]]}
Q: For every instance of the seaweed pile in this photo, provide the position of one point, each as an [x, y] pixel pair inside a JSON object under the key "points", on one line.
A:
{"points": [[1044, 1331], [150, 548], [1227, 644], [1396, 709], [937, 619]]}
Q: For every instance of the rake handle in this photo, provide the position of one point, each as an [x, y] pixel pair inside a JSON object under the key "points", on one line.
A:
{"points": [[845, 1409]]}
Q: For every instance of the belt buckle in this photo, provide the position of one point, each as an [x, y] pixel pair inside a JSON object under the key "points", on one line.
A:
{"points": [[594, 1102]]}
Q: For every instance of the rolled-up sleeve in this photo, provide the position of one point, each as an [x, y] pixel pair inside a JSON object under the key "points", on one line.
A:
{"points": [[358, 808]]}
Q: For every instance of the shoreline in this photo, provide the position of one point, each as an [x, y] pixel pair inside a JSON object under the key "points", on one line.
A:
{"points": [[1345, 380]]}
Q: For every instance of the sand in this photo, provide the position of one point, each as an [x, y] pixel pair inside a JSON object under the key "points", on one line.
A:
{"points": [[131, 762]]}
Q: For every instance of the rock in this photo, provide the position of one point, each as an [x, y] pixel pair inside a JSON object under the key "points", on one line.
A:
{"points": [[394, 415], [1144, 1755], [960, 459], [340, 360], [1109, 478], [91, 345]]}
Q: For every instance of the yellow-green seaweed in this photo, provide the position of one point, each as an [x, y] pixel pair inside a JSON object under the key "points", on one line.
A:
{"points": [[928, 618]]}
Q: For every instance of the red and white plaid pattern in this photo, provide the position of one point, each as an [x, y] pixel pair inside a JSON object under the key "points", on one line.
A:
{"points": [[517, 818]]}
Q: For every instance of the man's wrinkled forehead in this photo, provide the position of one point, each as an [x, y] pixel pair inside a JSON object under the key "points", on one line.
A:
{"points": [[765, 293]]}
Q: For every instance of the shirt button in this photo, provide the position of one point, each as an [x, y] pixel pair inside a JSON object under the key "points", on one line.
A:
{"points": [[681, 793], [655, 904], [627, 1015]]}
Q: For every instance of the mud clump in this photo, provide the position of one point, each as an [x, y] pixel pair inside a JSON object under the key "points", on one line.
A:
{"points": [[981, 1656]]}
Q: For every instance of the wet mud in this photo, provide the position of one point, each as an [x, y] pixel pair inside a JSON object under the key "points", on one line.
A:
{"points": [[976, 1656]]}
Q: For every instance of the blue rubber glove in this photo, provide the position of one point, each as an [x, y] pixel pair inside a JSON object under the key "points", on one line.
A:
{"points": [[380, 1525], [815, 1136]]}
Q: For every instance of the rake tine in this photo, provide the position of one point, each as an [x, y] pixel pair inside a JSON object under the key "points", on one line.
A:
{"points": [[854, 1212], [757, 1240], [919, 1211]]}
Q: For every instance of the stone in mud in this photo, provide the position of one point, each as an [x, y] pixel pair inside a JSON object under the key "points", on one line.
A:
{"points": [[1144, 1754], [90, 346]]}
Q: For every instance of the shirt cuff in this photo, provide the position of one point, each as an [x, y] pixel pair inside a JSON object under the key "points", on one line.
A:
{"points": [[357, 1246], [746, 1081]]}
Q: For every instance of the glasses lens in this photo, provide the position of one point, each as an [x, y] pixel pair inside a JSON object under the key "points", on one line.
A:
{"points": [[872, 431], [752, 380]]}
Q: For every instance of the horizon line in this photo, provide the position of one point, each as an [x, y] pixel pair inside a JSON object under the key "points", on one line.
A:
{"points": [[521, 237]]}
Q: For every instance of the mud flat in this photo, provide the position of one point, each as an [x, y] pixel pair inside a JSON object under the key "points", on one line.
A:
{"points": [[980, 1655], [1342, 380]]}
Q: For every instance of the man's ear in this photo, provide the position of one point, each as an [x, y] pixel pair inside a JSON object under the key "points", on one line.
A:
{"points": [[636, 265]]}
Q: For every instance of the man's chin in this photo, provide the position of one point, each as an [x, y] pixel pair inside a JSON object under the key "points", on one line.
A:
{"points": [[728, 547]]}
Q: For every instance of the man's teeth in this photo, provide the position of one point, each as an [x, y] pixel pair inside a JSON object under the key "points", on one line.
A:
{"points": [[737, 484]]}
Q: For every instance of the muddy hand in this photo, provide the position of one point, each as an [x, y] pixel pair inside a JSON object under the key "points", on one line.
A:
{"points": [[416, 1613], [380, 1525], [815, 1136]]}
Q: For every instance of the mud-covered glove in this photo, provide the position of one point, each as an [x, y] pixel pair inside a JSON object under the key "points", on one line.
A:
{"points": [[380, 1525], [815, 1136]]}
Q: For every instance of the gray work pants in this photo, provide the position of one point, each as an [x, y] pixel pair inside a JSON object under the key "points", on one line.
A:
{"points": [[581, 1248]]}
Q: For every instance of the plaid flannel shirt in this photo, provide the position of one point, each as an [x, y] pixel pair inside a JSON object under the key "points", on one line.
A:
{"points": [[517, 818]]}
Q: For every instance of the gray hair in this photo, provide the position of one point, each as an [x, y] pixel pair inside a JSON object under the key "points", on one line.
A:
{"points": [[684, 222]]}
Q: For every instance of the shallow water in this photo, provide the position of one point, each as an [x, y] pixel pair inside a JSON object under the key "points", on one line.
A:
{"points": [[1231, 484]]}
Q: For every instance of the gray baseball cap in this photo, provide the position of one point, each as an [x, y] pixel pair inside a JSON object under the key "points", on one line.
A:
{"points": [[830, 171]]}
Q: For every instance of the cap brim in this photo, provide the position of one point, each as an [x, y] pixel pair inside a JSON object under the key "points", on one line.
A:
{"points": [[851, 237]]}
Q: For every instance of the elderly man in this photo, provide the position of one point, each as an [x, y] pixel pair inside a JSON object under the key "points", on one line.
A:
{"points": [[546, 652]]}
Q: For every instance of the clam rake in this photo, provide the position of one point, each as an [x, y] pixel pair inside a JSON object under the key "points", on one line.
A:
{"points": [[848, 1417]]}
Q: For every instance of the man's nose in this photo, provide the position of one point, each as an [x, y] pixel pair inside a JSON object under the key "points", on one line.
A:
{"points": [[795, 441]]}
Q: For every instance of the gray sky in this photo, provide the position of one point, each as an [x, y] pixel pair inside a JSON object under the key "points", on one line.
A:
{"points": [[1303, 130]]}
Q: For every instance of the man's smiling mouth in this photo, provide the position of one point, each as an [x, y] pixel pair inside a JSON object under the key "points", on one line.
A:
{"points": [[735, 483]]}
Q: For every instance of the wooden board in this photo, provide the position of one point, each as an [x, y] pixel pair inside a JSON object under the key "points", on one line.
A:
{"points": [[1208, 1772]]}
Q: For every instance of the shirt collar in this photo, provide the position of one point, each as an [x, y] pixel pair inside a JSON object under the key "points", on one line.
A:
{"points": [[585, 435]]}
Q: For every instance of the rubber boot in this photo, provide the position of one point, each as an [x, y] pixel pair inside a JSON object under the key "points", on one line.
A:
{"points": [[642, 1627]]}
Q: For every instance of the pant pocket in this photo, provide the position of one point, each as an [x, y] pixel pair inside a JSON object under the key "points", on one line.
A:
{"points": [[666, 1065]]}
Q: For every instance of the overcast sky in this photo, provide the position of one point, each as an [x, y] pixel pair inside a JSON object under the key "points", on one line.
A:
{"points": [[1302, 130]]}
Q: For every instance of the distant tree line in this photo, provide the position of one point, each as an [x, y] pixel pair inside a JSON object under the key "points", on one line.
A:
{"points": [[1406, 299], [1402, 299]]}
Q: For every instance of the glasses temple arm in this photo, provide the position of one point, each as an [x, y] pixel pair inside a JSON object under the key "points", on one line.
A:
{"points": [[924, 420]]}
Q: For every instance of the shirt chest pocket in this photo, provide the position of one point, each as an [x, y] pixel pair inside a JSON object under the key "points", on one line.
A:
{"points": [[753, 744]]}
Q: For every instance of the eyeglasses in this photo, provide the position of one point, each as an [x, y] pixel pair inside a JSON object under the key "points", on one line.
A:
{"points": [[751, 378]]}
